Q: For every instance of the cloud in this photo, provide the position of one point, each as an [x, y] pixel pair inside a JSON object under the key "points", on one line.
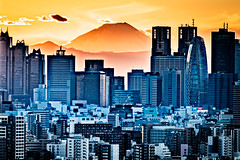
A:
{"points": [[24, 19], [59, 18], [21, 21], [53, 18], [105, 20]]}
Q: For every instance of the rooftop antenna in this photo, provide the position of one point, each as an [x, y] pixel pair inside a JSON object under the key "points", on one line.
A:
{"points": [[227, 25], [7, 29], [193, 22], [224, 25]]}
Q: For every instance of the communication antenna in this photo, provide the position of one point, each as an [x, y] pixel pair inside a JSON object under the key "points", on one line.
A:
{"points": [[193, 22], [224, 25], [227, 25]]}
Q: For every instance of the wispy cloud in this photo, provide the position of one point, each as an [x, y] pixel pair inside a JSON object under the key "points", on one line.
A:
{"points": [[53, 18], [105, 20], [21, 21]]}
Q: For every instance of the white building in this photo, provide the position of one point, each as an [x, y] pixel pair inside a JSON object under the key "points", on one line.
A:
{"points": [[77, 148], [59, 150]]}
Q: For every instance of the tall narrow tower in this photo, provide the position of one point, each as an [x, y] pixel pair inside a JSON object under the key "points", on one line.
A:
{"points": [[196, 73], [5, 60]]}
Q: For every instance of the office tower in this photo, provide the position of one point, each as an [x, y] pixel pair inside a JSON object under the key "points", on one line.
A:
{"points": [[43, 117], [19, 66], [106, 151], [35, 70], [5, 61], [61, 127], [161, 41], [162, 63], [39, 94], [172, 136], [237, 57], [13, 131], [94, 65], [151, 89], [110, 74], [144, 151], [80, 85], [236, 103], [77, 148], [185, 35], [118, 83], [172, 88], [126, 97], [95, 87], [223, 51], [135, 79], [196, 73], [61, 77], [220, 90]]}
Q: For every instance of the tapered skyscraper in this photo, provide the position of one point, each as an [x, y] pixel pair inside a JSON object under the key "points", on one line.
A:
{"points": [[196, 73]]}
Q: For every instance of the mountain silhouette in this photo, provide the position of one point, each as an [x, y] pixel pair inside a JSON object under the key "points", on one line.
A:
{"points": [[115, 37]]}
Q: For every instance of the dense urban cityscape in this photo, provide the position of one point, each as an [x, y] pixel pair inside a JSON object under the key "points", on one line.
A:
{"points": [[178, 110]]}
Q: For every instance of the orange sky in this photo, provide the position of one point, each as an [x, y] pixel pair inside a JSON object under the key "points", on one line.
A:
{"points": [[84, 15]]}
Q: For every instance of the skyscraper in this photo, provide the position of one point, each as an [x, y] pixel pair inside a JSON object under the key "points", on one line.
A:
{"points": [[35, 70], [236, 103], [61, 77], [151, 89], [5, 60], [172, 88], [220, 90], [135, 79], [162, 63], [185, 36], [223, 51], [161, 40], [237, 57], [196, 73], [19, 68]]}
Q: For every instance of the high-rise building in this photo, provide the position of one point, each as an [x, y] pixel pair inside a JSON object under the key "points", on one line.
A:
{"points": [[144, 151], [93, 84], [196, 73], [35, 70], [61, 77], [77, 148], [13, 131], [223, 51], [162, 63], [151, 89], [237, 58], [172, 88], [19, 68], [220, 90], [236, 103], [135, 79], [161, 41], [185, 36], [94, 65], [5, 61]]}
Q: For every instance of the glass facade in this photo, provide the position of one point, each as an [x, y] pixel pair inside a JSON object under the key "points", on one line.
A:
{"points": [[196, 73]]}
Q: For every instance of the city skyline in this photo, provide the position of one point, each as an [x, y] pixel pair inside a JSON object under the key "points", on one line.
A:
{"points": [[40, 25]]}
